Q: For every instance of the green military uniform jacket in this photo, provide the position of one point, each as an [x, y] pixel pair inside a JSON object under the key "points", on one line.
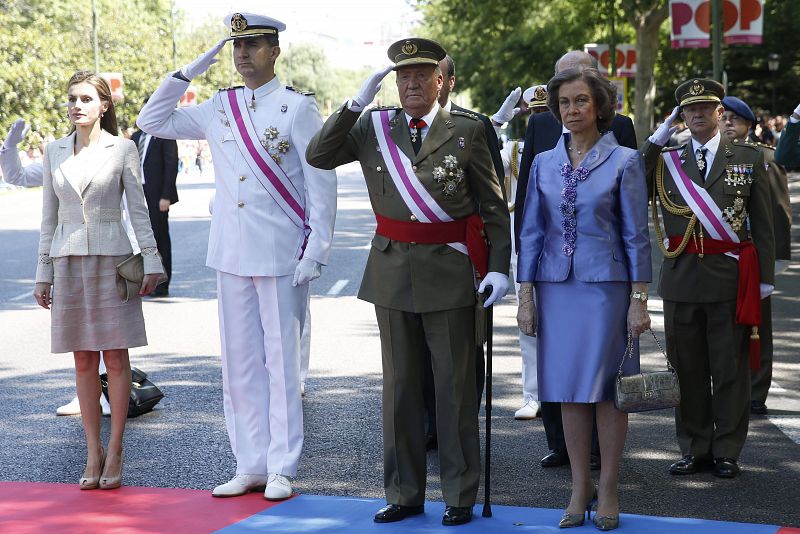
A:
{"points": [[713, 278], [781, 203], [410, 277]]}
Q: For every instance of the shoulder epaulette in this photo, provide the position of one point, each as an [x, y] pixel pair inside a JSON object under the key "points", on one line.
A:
{"points": [[381, 108], [764, 145], [235, 87], [668, 148], [746, 144], [464, 114], [298, 91]]}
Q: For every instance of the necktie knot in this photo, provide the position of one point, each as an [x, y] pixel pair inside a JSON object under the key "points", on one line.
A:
{"points": [[417, 124]]}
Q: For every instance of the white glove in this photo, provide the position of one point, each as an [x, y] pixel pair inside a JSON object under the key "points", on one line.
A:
{"points": [[661, 136], [203, 62], [508, 110], [16, 134], [369, 89], [306, 271], [765, 290], [499, 283], [796, 113]]}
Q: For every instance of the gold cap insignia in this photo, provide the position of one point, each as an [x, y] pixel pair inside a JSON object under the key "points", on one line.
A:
{"points": [[238, 22], [540, 94], [409, 48], [696, 88]]}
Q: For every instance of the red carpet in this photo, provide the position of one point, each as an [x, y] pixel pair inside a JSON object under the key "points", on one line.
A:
{"points": [[27, 507]]}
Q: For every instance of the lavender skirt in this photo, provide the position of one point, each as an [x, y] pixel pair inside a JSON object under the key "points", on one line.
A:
{"points": [[582, 335], [87, 313]]}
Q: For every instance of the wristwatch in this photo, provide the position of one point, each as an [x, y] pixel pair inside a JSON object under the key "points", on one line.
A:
{"points": [[639, 295]]}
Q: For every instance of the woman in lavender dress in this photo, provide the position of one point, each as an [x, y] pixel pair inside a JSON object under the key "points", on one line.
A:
{"points": [[585, 247]]}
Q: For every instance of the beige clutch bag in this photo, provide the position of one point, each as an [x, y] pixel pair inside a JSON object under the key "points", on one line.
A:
{"points": [[130, 274]]}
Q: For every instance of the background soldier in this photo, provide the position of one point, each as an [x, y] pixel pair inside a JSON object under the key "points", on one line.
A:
{"points": [[432, 186], [710, 279], [737, 122]]}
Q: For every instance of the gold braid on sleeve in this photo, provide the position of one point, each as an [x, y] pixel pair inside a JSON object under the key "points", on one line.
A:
{"points": [[672, 208], [514, 167]]}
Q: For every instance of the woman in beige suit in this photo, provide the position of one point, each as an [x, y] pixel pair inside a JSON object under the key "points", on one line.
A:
{"points": [[82, 241]]}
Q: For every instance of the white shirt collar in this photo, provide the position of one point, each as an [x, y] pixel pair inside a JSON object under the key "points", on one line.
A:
{"points": [[448, 105], [264, 90], [711, 146], [428, 118]]}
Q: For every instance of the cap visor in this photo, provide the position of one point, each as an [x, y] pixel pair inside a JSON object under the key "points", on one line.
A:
{"points": [[415, 61]]}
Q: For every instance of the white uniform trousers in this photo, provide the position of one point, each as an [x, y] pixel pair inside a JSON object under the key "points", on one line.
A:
{"points": [[305, 343], [260, 321], [527, 345]]}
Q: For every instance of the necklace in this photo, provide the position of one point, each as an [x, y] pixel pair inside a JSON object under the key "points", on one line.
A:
{"points": [[576, 150]]}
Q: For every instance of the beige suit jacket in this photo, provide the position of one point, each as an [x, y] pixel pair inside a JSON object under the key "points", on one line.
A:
{"points": [[81, 213]]}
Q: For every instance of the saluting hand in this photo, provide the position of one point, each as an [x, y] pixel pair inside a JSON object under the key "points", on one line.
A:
{"points": [[370, 88], [16, 134], [509, 109], [665, 130], [203, 61]]}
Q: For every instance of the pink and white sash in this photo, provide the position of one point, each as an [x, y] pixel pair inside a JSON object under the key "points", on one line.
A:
{"points": [[700, 202], [418, 200], [266, 170]]}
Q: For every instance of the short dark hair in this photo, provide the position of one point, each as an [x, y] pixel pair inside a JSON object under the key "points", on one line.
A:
{"points": [[451, 66], [603, 91]]}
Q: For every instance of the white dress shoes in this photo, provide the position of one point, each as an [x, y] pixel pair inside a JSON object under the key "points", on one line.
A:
{"points": [[529, 411], [239, 485], [278, 488], [73, 407]]}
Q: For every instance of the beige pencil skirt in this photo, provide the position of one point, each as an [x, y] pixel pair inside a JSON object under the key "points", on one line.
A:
{"points": [[87, 313]]}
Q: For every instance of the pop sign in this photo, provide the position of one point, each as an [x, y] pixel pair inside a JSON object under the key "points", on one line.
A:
{"points": [[115, 83], [626, 58], [742, 22]]}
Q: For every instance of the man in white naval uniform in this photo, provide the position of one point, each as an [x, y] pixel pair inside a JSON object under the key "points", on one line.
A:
{"points": [[271, 231]]}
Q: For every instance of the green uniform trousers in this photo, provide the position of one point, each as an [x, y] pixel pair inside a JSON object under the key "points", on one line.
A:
{"points": [[449, 335], [761, 379], [710, 353]]}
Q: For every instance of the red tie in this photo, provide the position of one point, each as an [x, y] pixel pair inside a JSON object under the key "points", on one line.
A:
{"points": [[416, 126]]}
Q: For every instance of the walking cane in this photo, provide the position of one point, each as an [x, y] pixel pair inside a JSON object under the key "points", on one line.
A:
{"points": [[487, 481]]}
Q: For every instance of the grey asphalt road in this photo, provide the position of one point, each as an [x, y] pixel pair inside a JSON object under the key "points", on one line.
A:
{"points": [[183, 442]]}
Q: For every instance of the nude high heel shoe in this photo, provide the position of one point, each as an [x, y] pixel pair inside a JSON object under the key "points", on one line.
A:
{"points": [[113, 482], [569, 520], [90, 483]]}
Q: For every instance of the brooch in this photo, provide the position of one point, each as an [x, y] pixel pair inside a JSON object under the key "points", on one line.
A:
{"points": [[449, 176], [735, 215], [274, 146]]}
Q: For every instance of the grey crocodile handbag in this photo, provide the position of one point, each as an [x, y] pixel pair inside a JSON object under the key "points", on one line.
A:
{"points": [[646, 391]]}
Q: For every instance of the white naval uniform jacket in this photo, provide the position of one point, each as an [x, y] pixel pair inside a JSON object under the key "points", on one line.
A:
{"points": [[250, 234]]}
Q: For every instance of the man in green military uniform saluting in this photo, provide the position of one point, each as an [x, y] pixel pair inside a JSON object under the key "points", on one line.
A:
{"points": [[713, 275], [442, 224]]}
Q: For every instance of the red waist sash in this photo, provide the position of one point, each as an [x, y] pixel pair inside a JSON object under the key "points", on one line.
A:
{"points": [[748, 297], [468, 230]]}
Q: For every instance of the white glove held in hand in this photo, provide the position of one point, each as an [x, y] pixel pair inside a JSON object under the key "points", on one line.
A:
{"points": [[306, 271], [499, 283], [16, 133], [203, 61], [508, 110], [661, 136], [765, 290], [796, 113], [369, 89]]}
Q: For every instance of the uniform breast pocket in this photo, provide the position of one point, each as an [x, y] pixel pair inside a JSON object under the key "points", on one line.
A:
{"points": [[387, 187], [737, 190]]}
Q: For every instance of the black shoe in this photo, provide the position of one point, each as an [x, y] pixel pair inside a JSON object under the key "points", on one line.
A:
{"points": [[594, 462], [758, 408], [160, 291], [726, 468], [395, 512], [456, 515], [555, 459], [431, 442], [690, 464]]}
